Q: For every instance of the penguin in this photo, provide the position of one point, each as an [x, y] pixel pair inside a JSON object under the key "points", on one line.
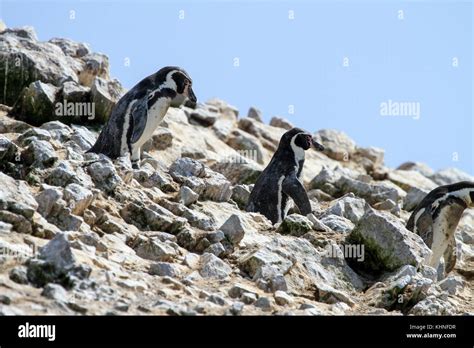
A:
{"points": [[436, 218], [139, 112], [280, 180]]}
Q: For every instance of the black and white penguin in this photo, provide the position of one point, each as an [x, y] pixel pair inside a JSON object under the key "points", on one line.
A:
{"points": [[436, 218], [139, 112], [280, 180]]}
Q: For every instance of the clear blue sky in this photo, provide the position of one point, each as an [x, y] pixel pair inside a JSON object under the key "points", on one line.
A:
{"points": [[297, 62]]}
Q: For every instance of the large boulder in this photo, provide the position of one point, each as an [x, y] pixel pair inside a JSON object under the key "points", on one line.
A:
{"points": [[36, 103], [337, 144], [450, 176], [26, 60], [388, 244]]}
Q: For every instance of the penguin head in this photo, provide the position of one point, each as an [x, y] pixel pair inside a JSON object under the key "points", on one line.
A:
{"points": [[177, 79], [300, 138]]}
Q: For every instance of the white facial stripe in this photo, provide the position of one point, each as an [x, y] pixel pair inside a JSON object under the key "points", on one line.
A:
{"points": [[123, 142], [299, 151], [169, 83], [462, 194], [280, 197], [417, 216]]}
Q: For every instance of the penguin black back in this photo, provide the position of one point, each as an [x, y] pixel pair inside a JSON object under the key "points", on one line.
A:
{"points": [[280, 179]]}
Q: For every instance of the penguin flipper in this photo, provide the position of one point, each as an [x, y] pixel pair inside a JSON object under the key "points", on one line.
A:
{"points": [[294, 188], [138, 116], [450, 255], [424, 228]]}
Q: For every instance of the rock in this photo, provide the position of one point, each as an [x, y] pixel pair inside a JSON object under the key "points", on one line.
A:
{"points": [[264, 303], [16, 197], [153, 249], [82, 137], [255, 113], [246, 145], [187, 196], [165, 269], [186, 167], [248, 297], [161, 139], [8, 151], [337, 144], [337, 183], [240, 195], [72, 92], [213, 267], [240, 171], [337, 223], [295, 225], [282, 298], [64, 174], [152, 217], [104, 175], [238, 290], [218, 300], [408, 179], [28, 61], [202, 117], [47, 199], [452, 284], [281, 123], [104, 95], [215, 249], [78, 198], [71, 48], [370, 158], [18, 275], [56, 263], [413, 198], [327, 294], [450, 176], [33, 133], [433, 305], [386, 205], [349, 207], [388, 244], [55, 292], [96, 65], [421, 168], [36, 103], [58, 130], [39, 153], [233, 229]]}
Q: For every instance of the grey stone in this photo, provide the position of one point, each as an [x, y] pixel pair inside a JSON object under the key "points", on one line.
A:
{"points": [[295, 225], [337, 223], [233, 229], [255, 113], [55, 292], [165, 269], [281, 123], [39, 153], [187, 196], [388, 244], [213, 267]]}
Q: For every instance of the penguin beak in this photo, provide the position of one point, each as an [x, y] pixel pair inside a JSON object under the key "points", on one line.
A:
{"points": [[191, 96], [317, 145]]}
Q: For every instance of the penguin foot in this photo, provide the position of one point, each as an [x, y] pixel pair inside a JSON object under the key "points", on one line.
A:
{"points": [[135, 165]]}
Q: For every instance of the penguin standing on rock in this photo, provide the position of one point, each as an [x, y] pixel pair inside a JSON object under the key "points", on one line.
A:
{"points": [[139, 112], [436, 218], [281, 178]]}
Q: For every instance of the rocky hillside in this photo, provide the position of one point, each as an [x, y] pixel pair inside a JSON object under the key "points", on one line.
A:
{"points": [[80, 234]]}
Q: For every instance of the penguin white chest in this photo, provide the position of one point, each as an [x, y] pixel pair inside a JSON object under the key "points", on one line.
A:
{"points": [[441, 236], [155, 115]]}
